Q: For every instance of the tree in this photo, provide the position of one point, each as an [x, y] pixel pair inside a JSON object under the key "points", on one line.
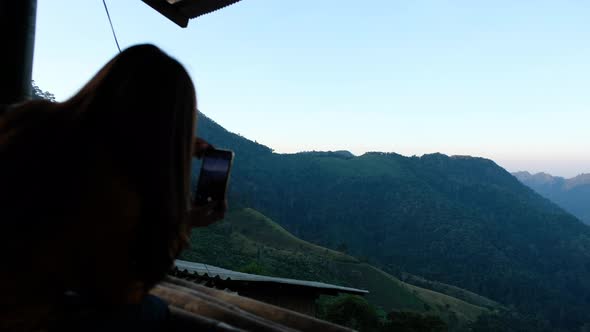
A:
{"points": [[40, 94], [254, 268], [351, 311], [343, 248], [414, 322]]}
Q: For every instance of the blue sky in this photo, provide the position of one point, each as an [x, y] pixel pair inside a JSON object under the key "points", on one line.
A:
{"points": [[506, 80]]}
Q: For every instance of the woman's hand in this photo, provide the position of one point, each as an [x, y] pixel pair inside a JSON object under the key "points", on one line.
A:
{"points": [[205, 215], [200, 146]]}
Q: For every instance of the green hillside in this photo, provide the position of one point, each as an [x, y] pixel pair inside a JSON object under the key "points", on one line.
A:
{"points": [[247, 237], [461, 221]]}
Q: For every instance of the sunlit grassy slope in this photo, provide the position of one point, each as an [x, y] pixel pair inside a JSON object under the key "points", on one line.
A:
{"points": [[247, 236]]}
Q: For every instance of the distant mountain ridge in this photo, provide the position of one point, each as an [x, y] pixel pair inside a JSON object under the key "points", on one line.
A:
{"points": [[545, 178], [571, 194], [580, 180], [460, 220]]}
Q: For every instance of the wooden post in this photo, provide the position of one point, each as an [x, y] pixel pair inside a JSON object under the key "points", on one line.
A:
{"points": [[17, 28]]}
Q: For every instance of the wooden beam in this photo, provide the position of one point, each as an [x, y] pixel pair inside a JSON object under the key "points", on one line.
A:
{"points": [[207, 306], [289, 318]]}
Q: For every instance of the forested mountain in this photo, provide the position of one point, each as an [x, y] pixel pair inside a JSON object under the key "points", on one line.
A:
{"points": [[248, 241], [573, 194], [458, 220]]}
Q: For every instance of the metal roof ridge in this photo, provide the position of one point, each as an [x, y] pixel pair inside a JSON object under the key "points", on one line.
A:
{"points": [[226, 274]]}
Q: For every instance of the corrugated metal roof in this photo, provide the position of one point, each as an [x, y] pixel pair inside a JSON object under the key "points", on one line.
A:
{"points": [[225, 274], [181, 11]]}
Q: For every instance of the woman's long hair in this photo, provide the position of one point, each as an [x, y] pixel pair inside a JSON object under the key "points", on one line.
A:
{"points": [[140, 111]]}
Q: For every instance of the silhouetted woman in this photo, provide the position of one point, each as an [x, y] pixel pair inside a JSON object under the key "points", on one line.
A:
{"points": [[94, 194]]}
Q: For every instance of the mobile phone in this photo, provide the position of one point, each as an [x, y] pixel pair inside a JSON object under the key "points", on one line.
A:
{"points": [[214, 176]]}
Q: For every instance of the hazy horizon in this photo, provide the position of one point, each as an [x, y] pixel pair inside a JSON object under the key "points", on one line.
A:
{"points": [[502, 80]]}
